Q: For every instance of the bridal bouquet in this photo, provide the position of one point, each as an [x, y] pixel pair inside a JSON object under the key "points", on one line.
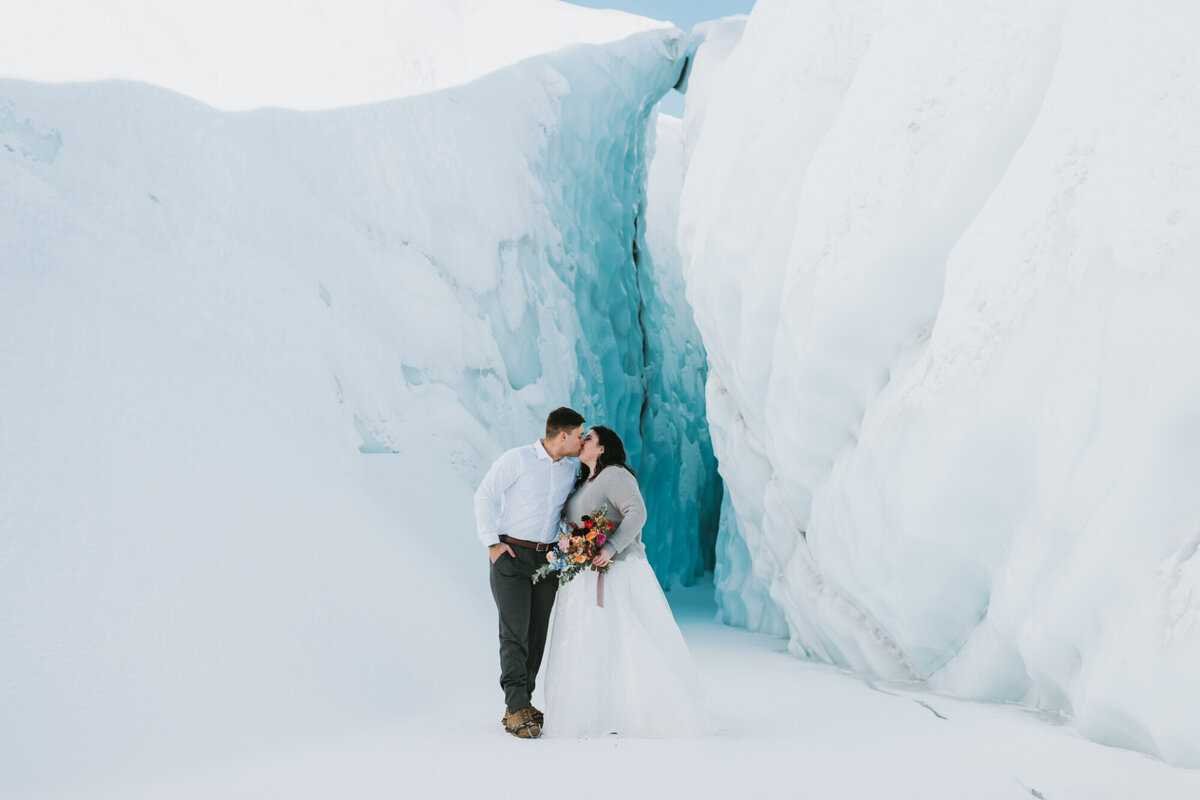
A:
{"points": [[577, 546]]}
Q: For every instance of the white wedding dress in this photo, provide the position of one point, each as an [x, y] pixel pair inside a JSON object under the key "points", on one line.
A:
{"points": [[622, 668]]}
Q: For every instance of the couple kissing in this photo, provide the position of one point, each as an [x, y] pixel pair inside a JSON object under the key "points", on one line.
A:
{"points": [[617, 666]]}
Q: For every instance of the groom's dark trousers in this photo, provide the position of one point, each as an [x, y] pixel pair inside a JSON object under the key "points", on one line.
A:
{"points": [[524, 608]]}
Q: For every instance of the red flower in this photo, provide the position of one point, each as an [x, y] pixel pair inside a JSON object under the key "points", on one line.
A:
{"points": [[588, 523]]}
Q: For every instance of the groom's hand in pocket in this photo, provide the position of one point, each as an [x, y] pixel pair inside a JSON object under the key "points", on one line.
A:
{"points": [[495, 550]]}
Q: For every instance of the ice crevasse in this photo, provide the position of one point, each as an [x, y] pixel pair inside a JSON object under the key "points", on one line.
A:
{"points": [[943, 259]]}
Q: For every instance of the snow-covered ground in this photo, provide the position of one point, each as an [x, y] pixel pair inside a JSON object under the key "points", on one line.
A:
{"points": [[792, 728]]}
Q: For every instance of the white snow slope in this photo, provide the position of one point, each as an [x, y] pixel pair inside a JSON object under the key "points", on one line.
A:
{"points": [[208, 315], [943, 259]]}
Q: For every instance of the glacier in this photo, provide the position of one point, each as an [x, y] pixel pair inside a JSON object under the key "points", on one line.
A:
{"points": [[942, 261], [254, 360], [677, 470], [913, 277]]}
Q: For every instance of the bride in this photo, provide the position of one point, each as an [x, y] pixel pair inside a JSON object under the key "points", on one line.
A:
{"points": [[616, 661]]}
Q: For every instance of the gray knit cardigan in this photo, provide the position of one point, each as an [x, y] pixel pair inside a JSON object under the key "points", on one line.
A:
{"points": [[616, 488]]}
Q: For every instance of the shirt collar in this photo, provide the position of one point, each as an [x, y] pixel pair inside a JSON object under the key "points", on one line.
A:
{"points": [[539, 450]]}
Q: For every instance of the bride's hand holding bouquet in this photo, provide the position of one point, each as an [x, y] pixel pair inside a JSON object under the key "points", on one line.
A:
{"points": [[579, 547]]}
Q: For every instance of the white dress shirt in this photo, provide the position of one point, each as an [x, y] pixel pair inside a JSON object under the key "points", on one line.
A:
{"points": [[522, 495]]}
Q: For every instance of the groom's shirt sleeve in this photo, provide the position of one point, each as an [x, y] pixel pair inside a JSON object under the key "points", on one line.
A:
{"points": [[489, 497]]}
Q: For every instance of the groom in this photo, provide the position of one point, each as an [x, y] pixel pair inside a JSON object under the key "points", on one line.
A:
{"points": [[517, 508]]}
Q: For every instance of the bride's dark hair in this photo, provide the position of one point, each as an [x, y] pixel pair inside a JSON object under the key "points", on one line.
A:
{"points": [[613, 455]]}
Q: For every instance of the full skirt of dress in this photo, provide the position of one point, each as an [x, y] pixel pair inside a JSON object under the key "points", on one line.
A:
{"points": [[622, 668]]}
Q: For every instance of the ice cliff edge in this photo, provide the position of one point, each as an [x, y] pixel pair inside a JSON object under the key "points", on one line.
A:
{"points": [[943, 263]]}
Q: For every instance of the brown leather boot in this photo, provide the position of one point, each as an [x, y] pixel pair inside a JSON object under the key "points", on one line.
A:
{"points": [[522, 723], [538, 717]]}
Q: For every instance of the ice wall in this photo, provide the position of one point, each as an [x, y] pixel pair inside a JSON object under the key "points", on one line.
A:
{"points": [[208, 315], [677, 470], [742, 583], [942, 259]]}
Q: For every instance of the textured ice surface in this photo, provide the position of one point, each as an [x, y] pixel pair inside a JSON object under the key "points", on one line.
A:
{"points": [[678, 472], [208, 315], [942, 259]]}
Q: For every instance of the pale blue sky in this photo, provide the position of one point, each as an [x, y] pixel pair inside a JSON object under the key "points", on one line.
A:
{"points": [[684, 13]]}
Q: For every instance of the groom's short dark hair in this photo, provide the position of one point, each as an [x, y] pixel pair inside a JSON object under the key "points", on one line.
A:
{"points": [[562, 419]]}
